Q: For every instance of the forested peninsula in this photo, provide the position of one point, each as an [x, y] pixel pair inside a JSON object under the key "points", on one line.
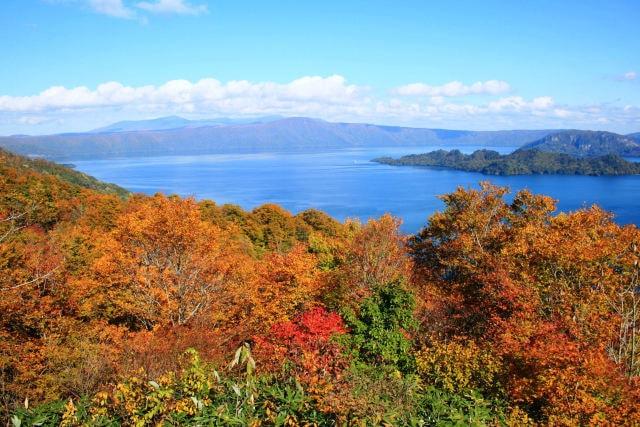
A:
{"points": [[521, 162]]}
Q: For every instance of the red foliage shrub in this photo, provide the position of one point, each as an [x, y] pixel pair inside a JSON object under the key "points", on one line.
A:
{"points": [[306, 343]]}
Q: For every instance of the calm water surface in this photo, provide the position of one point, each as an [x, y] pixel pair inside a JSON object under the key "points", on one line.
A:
{"points": [[344, 183]]}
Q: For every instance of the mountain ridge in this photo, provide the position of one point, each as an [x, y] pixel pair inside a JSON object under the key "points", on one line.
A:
{"points": [[586, 143], [175, 122], [283, 134]]}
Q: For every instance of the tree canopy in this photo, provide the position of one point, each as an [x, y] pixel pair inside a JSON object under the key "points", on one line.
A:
{"points": [[147, 310]]}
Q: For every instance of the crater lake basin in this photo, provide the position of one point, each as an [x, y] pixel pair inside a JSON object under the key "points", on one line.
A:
{"points": [[345, 183]]}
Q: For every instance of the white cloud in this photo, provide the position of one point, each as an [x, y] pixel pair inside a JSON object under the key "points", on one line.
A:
{"points": [[454, 88], [517, 103], [234, 96], [31, 120], [331, 98], [629, 76], [131, 9], [562, 113], [115, 8], [181, 7], [542, 102]]}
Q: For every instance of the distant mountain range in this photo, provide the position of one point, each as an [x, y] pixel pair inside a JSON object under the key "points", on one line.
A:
{"points": [[176, 122], [175, 135], [585, 143]]}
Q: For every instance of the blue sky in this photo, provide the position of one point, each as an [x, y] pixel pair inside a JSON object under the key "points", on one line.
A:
{"points": [[72, 65]]}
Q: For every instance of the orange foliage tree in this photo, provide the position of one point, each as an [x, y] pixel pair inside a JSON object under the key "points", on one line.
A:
{"points": [[284, 284], [539, 292], [373, 255], [162, 264]]}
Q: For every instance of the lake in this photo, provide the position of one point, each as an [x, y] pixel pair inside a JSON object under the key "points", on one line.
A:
{"points": [[345, 183]]}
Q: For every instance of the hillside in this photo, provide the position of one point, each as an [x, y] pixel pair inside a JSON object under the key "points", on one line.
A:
{"points": [[285, 134], [64, 173], [635, 136], [521, 162], [162, 310], [584, 143]]}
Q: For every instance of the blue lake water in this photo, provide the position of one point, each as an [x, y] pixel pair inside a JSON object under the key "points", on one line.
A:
{"points": [[344, 183]]}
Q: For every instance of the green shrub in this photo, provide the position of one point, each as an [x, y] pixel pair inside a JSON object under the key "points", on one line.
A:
{"points": [[380, 330], [441, 408]]}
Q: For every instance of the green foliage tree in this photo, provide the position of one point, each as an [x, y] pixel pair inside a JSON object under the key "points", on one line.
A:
{"points": [[381, 327]]}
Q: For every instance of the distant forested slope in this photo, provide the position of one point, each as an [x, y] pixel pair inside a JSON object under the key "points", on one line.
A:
{"points": [[586, 143], [285, 134], [10, 161], [521, 162]]}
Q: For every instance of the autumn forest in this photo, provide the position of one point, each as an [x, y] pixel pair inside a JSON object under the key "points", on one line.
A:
{"points": [[120, 309]]}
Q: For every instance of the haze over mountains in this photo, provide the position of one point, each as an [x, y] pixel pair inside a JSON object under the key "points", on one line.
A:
{"points": [[176, 136], [175, 122]]}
